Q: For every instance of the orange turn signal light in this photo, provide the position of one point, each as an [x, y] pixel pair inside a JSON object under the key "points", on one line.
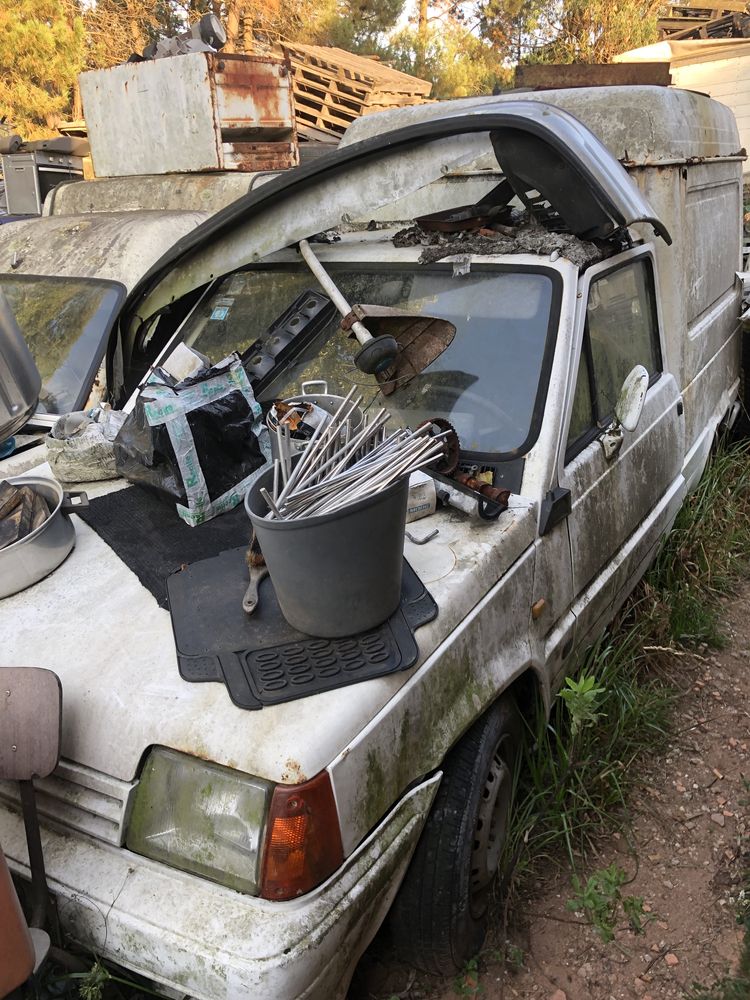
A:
{"points": [[303, 839]]}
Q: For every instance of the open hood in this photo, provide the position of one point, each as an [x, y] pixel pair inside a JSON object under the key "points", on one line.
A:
{"points": [[547, 154]]}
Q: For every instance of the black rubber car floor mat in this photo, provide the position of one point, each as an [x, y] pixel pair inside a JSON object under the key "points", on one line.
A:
{"points": [[151, 538], [261, 659]]}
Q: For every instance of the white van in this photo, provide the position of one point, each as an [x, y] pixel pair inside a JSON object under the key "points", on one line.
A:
{"points": [[224, 852]]}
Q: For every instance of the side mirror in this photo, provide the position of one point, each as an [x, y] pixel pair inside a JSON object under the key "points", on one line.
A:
{"points": [[627, 411], [631, 399]]}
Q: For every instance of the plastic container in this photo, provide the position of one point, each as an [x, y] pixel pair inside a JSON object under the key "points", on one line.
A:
{"points": [[338, 574]]}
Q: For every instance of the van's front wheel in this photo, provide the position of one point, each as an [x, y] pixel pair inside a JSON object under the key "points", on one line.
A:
{"points": [[439, 918]]}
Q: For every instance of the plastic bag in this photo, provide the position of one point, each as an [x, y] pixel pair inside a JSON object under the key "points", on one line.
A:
{"points": [[80, 446], [198, 441]]}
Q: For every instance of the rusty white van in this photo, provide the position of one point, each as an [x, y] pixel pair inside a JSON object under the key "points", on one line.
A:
{"points": [[223, 852]]}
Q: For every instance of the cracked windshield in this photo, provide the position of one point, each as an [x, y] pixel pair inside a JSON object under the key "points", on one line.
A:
{"points": [[485, 382]]}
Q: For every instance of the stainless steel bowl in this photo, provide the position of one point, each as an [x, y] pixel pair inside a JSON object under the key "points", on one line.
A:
{"points": [[32, 558], [325, 400]]}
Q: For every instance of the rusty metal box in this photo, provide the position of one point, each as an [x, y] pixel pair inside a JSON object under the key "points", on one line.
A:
{"points": [[195, 112]]}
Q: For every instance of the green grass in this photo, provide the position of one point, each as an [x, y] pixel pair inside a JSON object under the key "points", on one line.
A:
{"points": [[580, 765]]}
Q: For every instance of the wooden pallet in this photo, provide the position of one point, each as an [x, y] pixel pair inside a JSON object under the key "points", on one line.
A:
{"points": [[332, 87], [701, 20], [729, 26]]}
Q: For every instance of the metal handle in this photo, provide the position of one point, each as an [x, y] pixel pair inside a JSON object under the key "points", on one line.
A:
{"points": [[314, 381], [73, 501]]}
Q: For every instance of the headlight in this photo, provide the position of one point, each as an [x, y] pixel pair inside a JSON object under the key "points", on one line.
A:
{"points": [[200, 817]]}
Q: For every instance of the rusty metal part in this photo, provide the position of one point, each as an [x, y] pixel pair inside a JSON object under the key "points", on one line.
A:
{"points": [[291, 415], [241, 115], [551, 76], [492, 493], [449, 463], [421, 339]]}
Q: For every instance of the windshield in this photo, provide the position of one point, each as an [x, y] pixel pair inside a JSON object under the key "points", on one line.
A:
{"points": [[65, 322], [488, 383]]}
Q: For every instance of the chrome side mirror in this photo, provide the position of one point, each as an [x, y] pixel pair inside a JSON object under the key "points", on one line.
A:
{"points": [[627, 411]]}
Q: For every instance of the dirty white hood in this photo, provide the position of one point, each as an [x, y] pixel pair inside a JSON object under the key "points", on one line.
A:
{"points": [[102, 632]]}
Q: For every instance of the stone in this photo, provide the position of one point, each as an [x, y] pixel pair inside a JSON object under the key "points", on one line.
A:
{"points": [[559, 995], [718, 818], [671, 959]]}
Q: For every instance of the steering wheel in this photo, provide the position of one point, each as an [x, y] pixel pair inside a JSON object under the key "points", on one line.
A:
{"points": [[483, 405]]}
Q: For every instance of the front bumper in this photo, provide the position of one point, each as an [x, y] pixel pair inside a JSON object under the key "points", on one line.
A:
{"points": [[202, 939]]}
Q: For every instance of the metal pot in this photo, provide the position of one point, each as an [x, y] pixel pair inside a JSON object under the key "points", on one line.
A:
{"points": [[32, 558], [325, 400]]}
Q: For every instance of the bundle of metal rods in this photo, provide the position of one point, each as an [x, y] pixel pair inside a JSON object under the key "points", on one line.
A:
{"points": [[341, 464]]}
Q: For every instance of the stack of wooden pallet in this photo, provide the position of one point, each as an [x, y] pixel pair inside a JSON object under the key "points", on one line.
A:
{"points": [[332, 87], [696, 19]]}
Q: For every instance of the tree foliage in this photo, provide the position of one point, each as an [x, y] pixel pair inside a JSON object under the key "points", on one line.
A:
{"points": [[464, 47], [593, 31], [42, 46], [360, 25], [590, 31], [457, 62]]}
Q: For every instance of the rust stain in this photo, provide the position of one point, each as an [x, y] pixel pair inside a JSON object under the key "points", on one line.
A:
{"points": [[260, 155], [255, 92], [293, 773]]}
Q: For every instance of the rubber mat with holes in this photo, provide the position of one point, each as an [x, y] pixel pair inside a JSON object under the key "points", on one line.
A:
{"points": [[261, 659]]}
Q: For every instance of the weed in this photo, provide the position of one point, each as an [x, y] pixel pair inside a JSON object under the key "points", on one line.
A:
{"points": [[101, 982], [514, 957], [91, 986], [637, 917], [582, 697], [579, 764], [600, 899], [467, 983], [574, 784]]}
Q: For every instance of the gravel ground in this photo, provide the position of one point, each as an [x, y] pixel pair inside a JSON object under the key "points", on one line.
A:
{"points": [[685, 857]]}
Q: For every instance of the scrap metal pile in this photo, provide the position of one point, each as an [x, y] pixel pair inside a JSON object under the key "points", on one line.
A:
{"points": [[22, 510], [691, 20], [339, 467]]}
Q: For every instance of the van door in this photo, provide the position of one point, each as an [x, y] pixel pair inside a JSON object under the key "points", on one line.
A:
{"points": [[619, 506]]}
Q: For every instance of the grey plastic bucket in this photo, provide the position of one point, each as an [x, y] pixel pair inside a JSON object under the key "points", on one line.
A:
{"points": [[338, 574]]}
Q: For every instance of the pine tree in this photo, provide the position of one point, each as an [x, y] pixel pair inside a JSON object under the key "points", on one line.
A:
{"points": [[42, 44]]}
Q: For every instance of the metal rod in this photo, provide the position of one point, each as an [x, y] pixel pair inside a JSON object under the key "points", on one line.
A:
{"points": [[39, 890], [329, 286], [341, 466]]}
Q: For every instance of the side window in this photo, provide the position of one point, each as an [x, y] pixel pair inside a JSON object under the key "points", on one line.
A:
{"points": [[582, 421], [621, 332]]}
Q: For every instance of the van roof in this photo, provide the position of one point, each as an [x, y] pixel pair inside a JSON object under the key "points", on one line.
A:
{"points": [[639, 125]]}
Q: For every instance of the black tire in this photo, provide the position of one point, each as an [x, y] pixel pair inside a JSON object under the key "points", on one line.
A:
{"points": [[439, 917], [741, 429]]}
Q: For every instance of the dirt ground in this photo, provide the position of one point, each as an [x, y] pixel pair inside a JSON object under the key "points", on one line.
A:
{"points": [[690, 827]]}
